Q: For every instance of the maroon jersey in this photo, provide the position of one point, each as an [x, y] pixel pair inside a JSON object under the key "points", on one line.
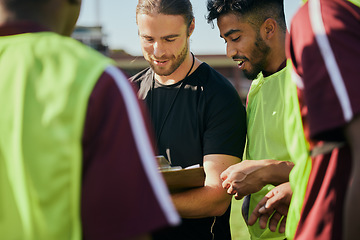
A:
{"points": [[123, 195], [324, 47]]}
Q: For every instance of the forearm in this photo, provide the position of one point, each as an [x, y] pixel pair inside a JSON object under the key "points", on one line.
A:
{"points": [[202, 202], [210, 200], [276, 172], [251, 176]]}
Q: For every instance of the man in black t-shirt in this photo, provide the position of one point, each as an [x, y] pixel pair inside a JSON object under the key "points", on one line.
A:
{"points": [[197, 114]]}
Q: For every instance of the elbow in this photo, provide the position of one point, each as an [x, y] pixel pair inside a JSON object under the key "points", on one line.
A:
{"points": [[221, 208], [220, 212]]}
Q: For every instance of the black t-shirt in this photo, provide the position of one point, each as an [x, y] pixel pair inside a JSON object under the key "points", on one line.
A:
{"points": [[200, 115]]}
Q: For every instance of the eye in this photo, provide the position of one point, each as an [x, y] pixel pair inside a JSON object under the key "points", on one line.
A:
{"points": [[148, 39], [236, 39], [170, 39]]}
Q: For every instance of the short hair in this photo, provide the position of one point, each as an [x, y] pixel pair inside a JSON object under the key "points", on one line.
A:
{"points": [[256, 11], [13, 2], [19, 5], [167, 7]]}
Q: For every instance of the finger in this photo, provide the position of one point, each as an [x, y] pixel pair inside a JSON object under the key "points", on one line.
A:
{"points": [[263, 219], [274, 221], [253, 217], [256, 214], [282, 225], [266, 210], [273, 200], [231, 190], [225, 184], [283, 209], [275, 203], [224, 175]]}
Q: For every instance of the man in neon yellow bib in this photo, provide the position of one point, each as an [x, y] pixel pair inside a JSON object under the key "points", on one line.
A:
{"points": [[254, 32], [324, 48], [76, 161]]}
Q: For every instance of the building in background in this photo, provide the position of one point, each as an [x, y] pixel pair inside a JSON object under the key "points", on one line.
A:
{"points": [[93, 37]]}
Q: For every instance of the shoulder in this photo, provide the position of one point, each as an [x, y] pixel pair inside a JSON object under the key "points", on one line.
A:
{"points": [[143, 82], [112, 85], [214, 83], [142, 75], [208, 76], [67, 50]]}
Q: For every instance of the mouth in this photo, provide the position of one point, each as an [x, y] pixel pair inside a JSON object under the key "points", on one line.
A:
{"points": [[240, 63], [160, 62]]}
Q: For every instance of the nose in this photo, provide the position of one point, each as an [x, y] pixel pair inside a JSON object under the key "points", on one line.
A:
{"points": [[159, 50], [230, 50]]}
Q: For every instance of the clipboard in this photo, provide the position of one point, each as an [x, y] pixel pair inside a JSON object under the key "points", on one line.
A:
{"points": [[184, 179], [179, 179]]}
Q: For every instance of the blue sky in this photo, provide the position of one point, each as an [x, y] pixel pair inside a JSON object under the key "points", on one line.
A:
{"points": [[118, 20]]}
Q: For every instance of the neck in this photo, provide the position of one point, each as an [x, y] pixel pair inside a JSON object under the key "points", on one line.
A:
{"points": [[185, 69], [276, 58]]}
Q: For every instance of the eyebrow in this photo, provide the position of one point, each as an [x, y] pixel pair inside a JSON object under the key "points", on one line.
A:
{"points": [[171, 36], [231, 32], [165, 37]]}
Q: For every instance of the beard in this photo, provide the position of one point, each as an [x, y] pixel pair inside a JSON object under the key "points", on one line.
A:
{"points": [[260, 51], [176, 62]]}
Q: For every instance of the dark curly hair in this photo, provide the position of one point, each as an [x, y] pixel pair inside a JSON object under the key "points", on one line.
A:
{"points": [[256, 11]]}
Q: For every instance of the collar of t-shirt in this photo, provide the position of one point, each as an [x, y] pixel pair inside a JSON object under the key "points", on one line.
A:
{"points": [[283, 65], [20, 27]]}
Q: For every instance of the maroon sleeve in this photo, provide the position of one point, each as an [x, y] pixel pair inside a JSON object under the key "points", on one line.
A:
{"points": [[120, 199], [332, 99]]}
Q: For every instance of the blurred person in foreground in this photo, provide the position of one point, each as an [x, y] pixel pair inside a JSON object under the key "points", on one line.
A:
{"points": [[254, 32], [197, 114], [324, 46], [76, 161]]}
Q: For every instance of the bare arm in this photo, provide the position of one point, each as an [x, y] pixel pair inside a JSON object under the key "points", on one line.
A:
{"points": [[210, 200], [352, 209], [251, 176]]}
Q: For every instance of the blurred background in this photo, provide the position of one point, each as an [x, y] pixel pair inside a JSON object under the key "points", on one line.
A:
{"points": [[117, 18]]}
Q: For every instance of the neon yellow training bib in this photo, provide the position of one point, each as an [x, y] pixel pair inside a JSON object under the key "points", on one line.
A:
{"points": [[44, 90]]}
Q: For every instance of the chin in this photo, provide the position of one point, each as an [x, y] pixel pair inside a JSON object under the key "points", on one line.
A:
{"points": [[161, 71], [250, 76]]}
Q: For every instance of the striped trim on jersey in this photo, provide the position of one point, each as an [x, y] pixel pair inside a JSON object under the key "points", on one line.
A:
{"points": [[143, 144], [327, 53]]}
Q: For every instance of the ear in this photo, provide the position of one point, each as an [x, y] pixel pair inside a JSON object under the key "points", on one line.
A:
{"points": [[191, 27], [268, 28]]}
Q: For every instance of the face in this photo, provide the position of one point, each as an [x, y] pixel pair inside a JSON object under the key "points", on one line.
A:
{"points": [[164, 41], [243, 44]]}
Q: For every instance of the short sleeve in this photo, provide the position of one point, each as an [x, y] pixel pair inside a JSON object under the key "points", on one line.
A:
{"points": [[225, 128], [123, 195]]}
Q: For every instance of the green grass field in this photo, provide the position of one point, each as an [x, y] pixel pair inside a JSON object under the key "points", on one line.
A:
{"points": [[238, 227]]}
